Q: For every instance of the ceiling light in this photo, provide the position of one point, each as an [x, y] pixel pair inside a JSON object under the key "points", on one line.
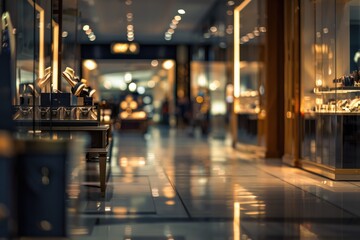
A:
{"points": [[171, 31], [130, 39], [167, 38], [213, 29], [128, 2], [262, 29], [65, 34], [88, 31], [130, 27], [230, 3], [250, 35], [167, 34], [86, 27], [174, 21], [90, 64], [245, 39], [177, 18], [173, 26], [130, 34], [181, 11], [92, 38]]}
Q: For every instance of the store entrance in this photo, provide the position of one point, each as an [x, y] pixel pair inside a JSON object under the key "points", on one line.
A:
{"points": [[136, 93]]}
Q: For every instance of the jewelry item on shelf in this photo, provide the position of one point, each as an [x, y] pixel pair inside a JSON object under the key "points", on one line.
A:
{"points": [[354, 104], [356, 75], [41, 82], [31, 90], [44, 112], [87, 91], [76, 85]]}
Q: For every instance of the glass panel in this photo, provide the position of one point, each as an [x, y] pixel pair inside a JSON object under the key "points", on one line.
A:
{"points": [[33, 51], [208, 80], [250, 106]]}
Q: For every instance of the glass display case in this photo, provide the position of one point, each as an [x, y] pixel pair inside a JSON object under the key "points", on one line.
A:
{"points": [[48, 89], [330, 88]]}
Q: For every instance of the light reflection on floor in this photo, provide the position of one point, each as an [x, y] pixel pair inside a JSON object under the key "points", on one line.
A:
{"points": [[168, 185]]}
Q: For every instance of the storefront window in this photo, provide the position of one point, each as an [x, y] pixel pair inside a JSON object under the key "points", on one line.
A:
{"points": [[330, 85]]}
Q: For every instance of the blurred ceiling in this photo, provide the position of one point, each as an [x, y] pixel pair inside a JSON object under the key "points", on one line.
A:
{"points": [[150, 19]]}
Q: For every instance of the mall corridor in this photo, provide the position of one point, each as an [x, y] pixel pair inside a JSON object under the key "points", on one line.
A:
{"points": [[170, 185]]}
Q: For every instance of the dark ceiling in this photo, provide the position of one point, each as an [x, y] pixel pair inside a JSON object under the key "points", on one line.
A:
{"points": [[151, 19]]}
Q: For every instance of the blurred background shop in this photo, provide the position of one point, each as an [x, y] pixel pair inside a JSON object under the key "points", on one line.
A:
{"points": [[92, 90]]}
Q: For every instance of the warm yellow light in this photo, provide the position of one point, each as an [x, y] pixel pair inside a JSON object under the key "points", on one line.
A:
{"points": [[130, 27], [123, 105], [88, 31], [177, 18], [154, 63], [133, 48], [199, 99], [151, 84], [133, 105], [236, 221], [168, 64], [237, 47], [120, 47], [90, 64]]}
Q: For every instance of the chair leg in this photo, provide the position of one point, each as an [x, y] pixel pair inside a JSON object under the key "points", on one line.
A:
{"points": [[102, 168]]}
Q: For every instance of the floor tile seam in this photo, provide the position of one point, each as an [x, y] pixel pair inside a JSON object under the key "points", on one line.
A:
{"points": [[314, 194], [151, 194], [197, 219], [177, 194]]}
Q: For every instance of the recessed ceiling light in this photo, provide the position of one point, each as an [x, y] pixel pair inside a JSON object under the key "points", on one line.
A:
{"points": [[86, 27], [177, 18], [181, 11], [230, 3], [64, 34], [213, 29]]}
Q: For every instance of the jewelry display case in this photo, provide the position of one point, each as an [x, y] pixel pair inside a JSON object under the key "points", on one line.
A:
{"points": [[330, 94]]}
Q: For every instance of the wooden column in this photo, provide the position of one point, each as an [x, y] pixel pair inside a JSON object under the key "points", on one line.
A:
{"points": [[274, 85]]}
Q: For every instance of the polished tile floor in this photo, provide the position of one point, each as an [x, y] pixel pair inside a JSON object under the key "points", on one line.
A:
{"points": [[170, 185]]}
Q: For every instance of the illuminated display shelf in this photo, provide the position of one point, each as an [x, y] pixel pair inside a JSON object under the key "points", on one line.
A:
{"points": [[336, 90]]}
